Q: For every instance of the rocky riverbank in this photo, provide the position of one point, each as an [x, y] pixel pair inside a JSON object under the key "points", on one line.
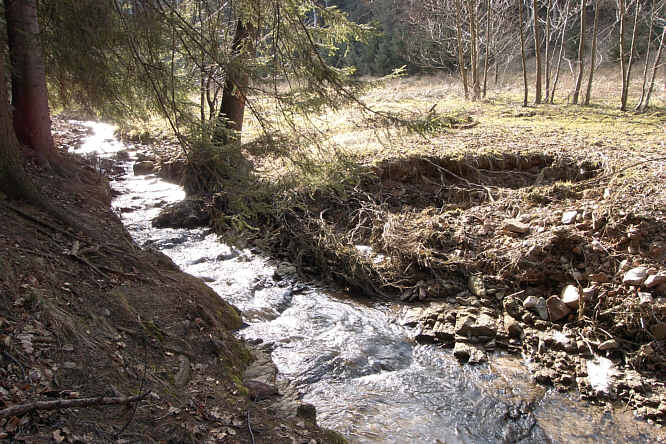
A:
{"points": [[103, 341]]}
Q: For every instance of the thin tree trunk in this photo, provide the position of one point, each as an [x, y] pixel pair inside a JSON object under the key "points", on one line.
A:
{"points": [[474, 53], [547, 55], [537, 53], [623, 68], [32, 121], [593, 56], [647, 61], [581, 53], [655, 68], [559, 57], [627, 83], [485, 63], [461, 58], [232, 109], [522, 50]]}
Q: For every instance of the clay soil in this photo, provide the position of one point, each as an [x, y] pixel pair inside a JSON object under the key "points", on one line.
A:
{"points": [[85, 313]]}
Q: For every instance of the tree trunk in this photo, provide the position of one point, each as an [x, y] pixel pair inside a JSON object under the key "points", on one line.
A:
{"points": [[626, 83], [655, 68], [647, 61], [13, 182], [559, 57], [234, 93], [522, 50], [581, 53], [32, 121], [593, 55], [485, 62], [537, 53], [461, 58], [623, 68], [474, 52], [547, 55]]}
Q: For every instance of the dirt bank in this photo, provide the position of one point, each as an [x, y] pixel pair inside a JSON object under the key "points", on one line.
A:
{"points": [[129, 348]]}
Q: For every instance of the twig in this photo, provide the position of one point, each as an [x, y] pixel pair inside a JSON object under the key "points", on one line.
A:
{"points": [[58, 404], [249, 425]]}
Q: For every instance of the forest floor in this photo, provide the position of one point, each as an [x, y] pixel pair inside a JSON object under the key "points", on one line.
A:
{"points": [[539, 230], [102, 341]]}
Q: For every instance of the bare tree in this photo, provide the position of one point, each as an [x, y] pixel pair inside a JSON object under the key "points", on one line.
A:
{"points": [[593, 54], [655, 68], [647, 59], [581, 53], [487, 56], [559, 57], [626, 79], [522, 49], [461, 57], [547, 54], [537, 52]]}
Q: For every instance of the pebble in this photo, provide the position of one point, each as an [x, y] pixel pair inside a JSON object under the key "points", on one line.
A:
{"points": [[645, 299], [557, 309], [611, 344], [571, 296], [655, 280], [569, 217], [516, 226], [538, 305], [635, 276]]}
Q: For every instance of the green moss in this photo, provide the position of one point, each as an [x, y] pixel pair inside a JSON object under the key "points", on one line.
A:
{"points": [[333, 437]]}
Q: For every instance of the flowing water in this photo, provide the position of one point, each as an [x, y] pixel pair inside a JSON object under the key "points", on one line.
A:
{"points": [[361, 369]]}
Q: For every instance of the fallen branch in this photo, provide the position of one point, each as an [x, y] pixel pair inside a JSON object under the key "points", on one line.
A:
{"points": [[58, 404]]}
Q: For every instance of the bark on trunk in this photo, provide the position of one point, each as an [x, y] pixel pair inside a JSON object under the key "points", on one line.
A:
{"points": [[581, 53], [522, 50], [537, 52], [12, 177], [593, 55], [32, 121], [234, 93]]}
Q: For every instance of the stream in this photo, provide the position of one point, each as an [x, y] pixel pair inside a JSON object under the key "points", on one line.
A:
{"points": [[367, 377]]}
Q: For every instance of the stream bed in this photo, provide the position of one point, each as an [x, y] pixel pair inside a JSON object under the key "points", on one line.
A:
{"points": [[352, 360]]}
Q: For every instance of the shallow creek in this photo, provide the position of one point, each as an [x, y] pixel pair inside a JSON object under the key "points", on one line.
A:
{"points": [[353, 360]]}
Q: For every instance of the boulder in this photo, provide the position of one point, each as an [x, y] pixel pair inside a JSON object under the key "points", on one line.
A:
{"points": [[188, 213], [635, 276], [557, 309], [513, 306], [515, 226], [512, 327], [143, 168], [469, 353], [571, 296], [476, 286], [472, 325], [537, 305]]}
